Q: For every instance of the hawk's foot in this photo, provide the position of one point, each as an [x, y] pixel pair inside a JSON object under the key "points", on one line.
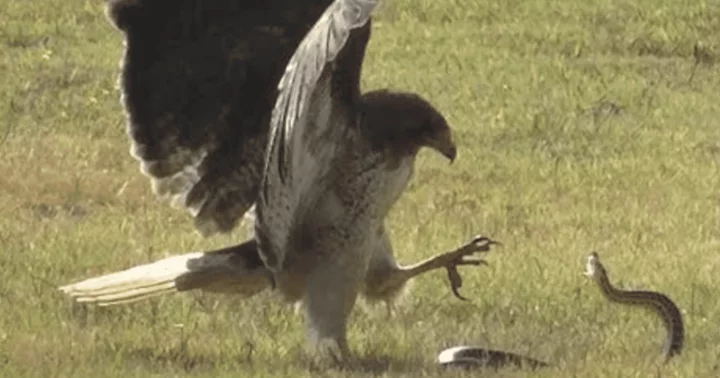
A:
{"points": [[461, 256]]}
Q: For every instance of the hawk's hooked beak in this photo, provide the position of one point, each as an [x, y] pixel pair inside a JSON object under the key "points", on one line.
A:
{"points": [[444, 145], [450, 153]]}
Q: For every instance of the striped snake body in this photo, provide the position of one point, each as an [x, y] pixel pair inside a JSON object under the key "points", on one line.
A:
{"points": [[657, 302]]}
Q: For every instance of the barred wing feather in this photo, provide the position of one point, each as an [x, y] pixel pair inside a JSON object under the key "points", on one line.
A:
{"points": [[313, 115]]}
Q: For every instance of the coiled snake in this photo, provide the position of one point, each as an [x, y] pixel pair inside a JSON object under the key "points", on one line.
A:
{"points": [[664, 307]]}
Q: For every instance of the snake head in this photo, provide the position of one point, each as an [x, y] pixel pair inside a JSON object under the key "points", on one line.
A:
{"points": [[593, 266]]}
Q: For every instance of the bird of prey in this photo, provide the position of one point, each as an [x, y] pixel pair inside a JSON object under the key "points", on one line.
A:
{"points": [[235, 103]]}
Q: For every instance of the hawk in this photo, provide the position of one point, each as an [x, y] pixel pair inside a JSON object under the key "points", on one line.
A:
{"points": [[238, 103]]}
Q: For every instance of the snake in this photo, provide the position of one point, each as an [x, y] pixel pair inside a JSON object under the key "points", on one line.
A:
{"points": [[474, 356], [658, 303]]}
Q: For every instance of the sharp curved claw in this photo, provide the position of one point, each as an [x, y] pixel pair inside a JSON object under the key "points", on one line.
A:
{"points": [[478, 244], [480, 238], [459, 296], [455, 282], [484, 239]]}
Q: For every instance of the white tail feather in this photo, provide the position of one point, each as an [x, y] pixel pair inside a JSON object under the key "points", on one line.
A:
{"points": [[198, 270], [133, 284]]}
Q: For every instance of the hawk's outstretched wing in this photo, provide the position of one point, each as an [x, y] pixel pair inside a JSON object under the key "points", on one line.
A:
{"points": [[199, 81], [315, 114]]}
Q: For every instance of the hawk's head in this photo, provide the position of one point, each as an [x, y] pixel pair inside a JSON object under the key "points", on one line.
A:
{"points": [[405, 122]]}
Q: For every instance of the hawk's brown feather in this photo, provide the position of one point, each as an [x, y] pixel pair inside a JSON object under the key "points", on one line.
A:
{"points": [[237, 102]]}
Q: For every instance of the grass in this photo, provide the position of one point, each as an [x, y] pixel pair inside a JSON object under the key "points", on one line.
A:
{"points": [[581, 126]]}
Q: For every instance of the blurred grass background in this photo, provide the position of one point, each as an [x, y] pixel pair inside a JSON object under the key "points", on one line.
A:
{"points": [[581, 126]]}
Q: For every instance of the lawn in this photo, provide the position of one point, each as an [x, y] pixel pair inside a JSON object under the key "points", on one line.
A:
{"points": [[581, 126]]}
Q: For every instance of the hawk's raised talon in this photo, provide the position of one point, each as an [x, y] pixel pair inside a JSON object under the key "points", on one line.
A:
{"points": [[478, 244]]}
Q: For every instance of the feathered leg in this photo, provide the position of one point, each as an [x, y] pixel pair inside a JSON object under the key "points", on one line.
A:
{"points": [[330, 294], [236, 270]]}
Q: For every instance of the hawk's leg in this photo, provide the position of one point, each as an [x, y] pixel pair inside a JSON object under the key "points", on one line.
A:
{"points": [[385, 278], [330, 294]]}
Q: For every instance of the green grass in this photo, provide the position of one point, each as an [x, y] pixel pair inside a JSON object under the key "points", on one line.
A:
{"points": [[579, 129]]}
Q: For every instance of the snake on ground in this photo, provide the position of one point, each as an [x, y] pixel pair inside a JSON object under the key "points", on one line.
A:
{"points": [[660, 304]]}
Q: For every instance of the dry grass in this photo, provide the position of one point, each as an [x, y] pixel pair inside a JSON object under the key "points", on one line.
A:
{"points": [[579, 128]]}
